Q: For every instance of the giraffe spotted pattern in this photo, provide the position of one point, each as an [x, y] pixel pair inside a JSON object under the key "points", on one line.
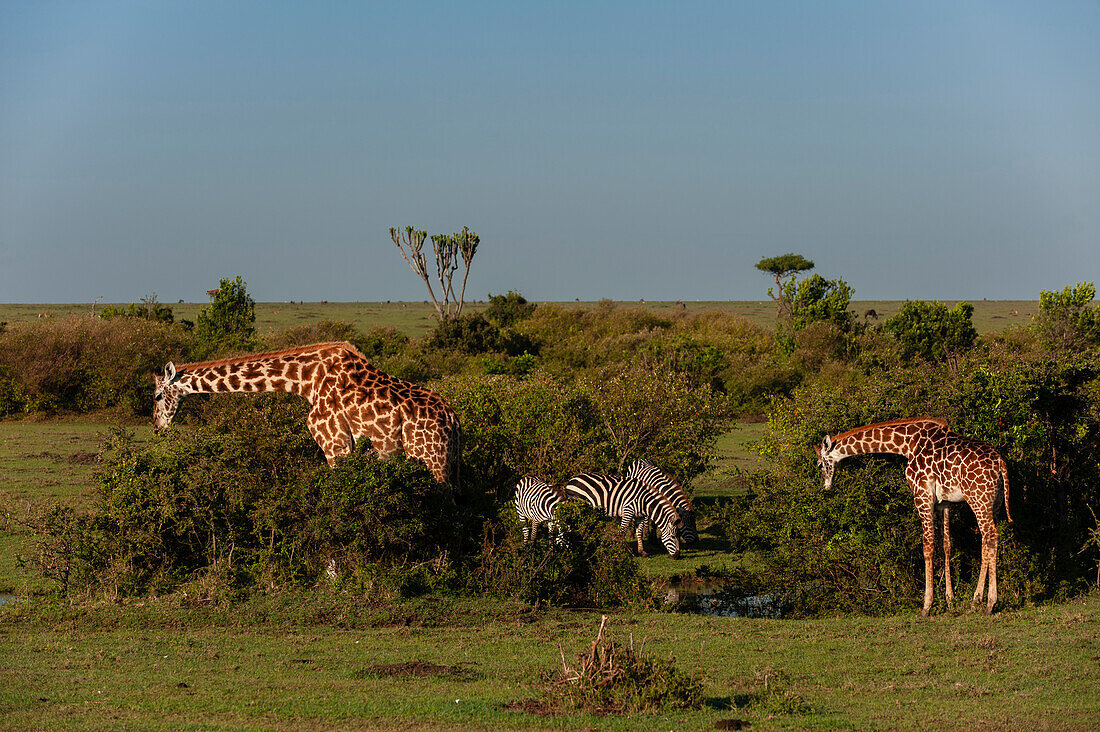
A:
{"points": [[350, 398], [943, 467]]}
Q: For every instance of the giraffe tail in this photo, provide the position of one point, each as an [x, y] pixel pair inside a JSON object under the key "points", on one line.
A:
{"points": [[1004, 480]]}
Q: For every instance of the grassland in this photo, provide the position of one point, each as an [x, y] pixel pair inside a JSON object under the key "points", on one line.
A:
{"points": [[416, 318], [328, 660], [312, 663]]}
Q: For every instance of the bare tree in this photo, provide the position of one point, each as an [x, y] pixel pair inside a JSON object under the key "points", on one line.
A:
{"points": [[448, 249]]}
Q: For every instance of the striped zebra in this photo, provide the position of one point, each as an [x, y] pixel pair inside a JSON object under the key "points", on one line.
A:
{"points": [[632, 500], [667, 486], [535, 503]]}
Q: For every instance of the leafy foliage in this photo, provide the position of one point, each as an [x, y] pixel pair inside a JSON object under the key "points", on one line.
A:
{"points": [[816, 299], [928, 330], [597, 568], [229, 322], [1065, 322], [507, 310], [784, 268], [857, 548], [84, 364], [149, 309]]}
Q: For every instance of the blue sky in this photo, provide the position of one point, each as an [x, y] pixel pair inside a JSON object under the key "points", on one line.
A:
{"points": [[937, 150]]}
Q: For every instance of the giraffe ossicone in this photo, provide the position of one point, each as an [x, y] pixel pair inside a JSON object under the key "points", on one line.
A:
{"points": [[942, 467], [350, 399]]}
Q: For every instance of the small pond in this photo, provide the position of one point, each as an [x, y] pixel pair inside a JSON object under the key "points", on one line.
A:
{"points": [[720, 600]]}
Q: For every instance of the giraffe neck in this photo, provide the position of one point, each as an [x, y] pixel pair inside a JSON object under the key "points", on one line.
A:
{"points": [[298, 371], [901, 437]]}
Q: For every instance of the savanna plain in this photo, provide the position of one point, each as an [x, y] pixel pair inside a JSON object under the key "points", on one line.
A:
{"points": [[326, 658]]}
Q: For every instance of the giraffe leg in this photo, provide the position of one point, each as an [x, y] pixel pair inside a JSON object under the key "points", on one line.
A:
{"points": [[949, 592], [989, 565], [928, 531]]}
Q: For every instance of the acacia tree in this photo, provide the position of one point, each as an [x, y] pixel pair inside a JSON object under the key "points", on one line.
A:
{"points": [[448, 249], [783, 268]]}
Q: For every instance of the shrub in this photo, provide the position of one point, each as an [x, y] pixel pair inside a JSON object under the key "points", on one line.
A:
{"points": [[928, 330], [80, 363], [656, 413], [816, 299], [469, 334], [382, 342], [538, 425], [1065, 322], [597, 568], [858, 546], [149, 309], [322, 331], [244, 499], [229, 322], [507, 310]]}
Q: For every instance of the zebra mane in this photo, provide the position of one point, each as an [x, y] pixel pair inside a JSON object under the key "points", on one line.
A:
{"points": [[666, 504], [676, 487]]}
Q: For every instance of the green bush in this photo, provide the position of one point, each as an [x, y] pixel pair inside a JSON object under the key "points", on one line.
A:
{"points": [[1065, 323], [858, 547], [928, 330], [149, 309], [596, 569], [507, 310], [245, 497], [229, 322], [469, 334]]}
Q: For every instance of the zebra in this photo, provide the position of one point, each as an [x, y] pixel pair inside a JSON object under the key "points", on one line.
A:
{"points": [[667, 486], [632, 500], [535, 503]]}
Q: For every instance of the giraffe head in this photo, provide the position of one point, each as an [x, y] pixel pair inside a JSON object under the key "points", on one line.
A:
{"points": [[827, 458], [166, 395]]}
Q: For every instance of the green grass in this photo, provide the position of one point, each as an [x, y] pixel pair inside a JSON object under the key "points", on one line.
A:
{"points": [[416, 318], [316, 660], [153, 665]]}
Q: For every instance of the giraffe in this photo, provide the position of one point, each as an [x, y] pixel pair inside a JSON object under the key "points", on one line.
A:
{"points": [[350, 398], [943, 467]]}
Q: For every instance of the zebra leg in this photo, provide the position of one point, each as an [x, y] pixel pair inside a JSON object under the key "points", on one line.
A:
{"points": [[639, 534]]}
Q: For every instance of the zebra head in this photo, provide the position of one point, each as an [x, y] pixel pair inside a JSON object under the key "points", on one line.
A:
{"points": [[670, 537], [667, 486], [166, 395]]}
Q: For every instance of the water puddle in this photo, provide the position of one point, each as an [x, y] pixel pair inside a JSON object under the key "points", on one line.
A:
{"points": [[7, 598], [721, 601]]}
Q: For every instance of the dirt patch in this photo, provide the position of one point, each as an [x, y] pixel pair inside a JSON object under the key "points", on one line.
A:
{"points": [[417, 669], [83, 457]]}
